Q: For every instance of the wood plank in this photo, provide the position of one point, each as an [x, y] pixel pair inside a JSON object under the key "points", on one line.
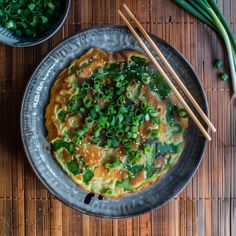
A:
{"points": [[145, 225], [43, 211], [30, 217], [56, 219], [6, 213], [233, 217], [18, 218]]}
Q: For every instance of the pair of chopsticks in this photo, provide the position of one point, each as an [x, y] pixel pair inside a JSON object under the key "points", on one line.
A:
{"points": [[171, 70]]}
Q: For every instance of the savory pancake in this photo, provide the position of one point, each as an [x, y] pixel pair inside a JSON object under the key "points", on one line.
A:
{"points": [[113, 122]]}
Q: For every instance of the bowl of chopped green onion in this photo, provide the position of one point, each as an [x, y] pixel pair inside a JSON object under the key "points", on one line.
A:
{"points": [[25, 23]]}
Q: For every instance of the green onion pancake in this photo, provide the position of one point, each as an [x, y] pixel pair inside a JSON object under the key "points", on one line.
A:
{"points": [[113, 122]]}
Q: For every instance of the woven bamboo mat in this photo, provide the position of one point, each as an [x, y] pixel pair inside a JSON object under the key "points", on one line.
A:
{"points": [[207, 206]]}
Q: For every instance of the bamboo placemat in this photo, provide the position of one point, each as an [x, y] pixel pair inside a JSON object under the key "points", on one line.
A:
{"points": [[207, 206]]}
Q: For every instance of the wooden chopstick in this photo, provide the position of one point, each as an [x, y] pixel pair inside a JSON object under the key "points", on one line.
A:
{"points": [[178, 80], [178, 95]]}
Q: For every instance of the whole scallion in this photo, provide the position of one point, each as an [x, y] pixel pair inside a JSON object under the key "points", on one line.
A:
{"points": [[209, 12]]}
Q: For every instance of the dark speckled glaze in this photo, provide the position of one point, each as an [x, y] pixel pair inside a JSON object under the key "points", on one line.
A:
{"points": [[37, 148], [10, 38]]}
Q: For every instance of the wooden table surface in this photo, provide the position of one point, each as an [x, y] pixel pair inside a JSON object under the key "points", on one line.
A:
{"points": [[207, 206]]}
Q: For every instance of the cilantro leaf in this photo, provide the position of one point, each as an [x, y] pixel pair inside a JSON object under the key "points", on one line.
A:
{"points": [[87, 175], [73, 167], [60, 143]]}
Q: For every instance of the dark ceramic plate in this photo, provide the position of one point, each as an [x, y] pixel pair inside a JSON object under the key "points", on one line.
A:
{"points": [[10, 38], [37, 148]]}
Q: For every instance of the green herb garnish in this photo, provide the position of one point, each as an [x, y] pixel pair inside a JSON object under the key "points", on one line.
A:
{"points": [[87, 175], [115, 163], [163, 148], [73, 167], [60, 143]]}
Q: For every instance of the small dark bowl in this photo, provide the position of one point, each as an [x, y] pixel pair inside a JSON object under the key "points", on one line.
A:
{"points": [[10, 38]]}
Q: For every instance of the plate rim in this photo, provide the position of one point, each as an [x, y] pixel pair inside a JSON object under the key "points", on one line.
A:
{"points": [[38, 174]]}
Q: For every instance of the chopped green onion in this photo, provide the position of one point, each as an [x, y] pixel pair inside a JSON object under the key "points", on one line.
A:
{"points": [[89, 121], [31, 6], [78, 139], [119, 117], [102, 122], [82, 109], [120, 133], [87, 102], [44, 19], [114, 164], [119, 84], [119, 78], [72, 105], [177, 129], [153, 113], [93, 113], [97, 83], [134, 129], [129, 95], [218, 63], [119, 91], [127, 144], [80, 132], [143, 105], [96, 132], [131, 113], [146, 78], [85, 86], [112, 120], [51, 5], [114, 142], [135, 120], [61, 115], [96, 141], [110, 133], [71, 68], [154, 133], [10, 25], [96, 107], [85, 127], [156, 120], [224, 76], [109, 192], [121, 100], [182, 113], [109, 143], [147, 149], [127, 128], [110, 110]]}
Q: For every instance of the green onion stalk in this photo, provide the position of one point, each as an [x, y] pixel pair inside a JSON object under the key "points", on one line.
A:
{"points": [[209, 12]]}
